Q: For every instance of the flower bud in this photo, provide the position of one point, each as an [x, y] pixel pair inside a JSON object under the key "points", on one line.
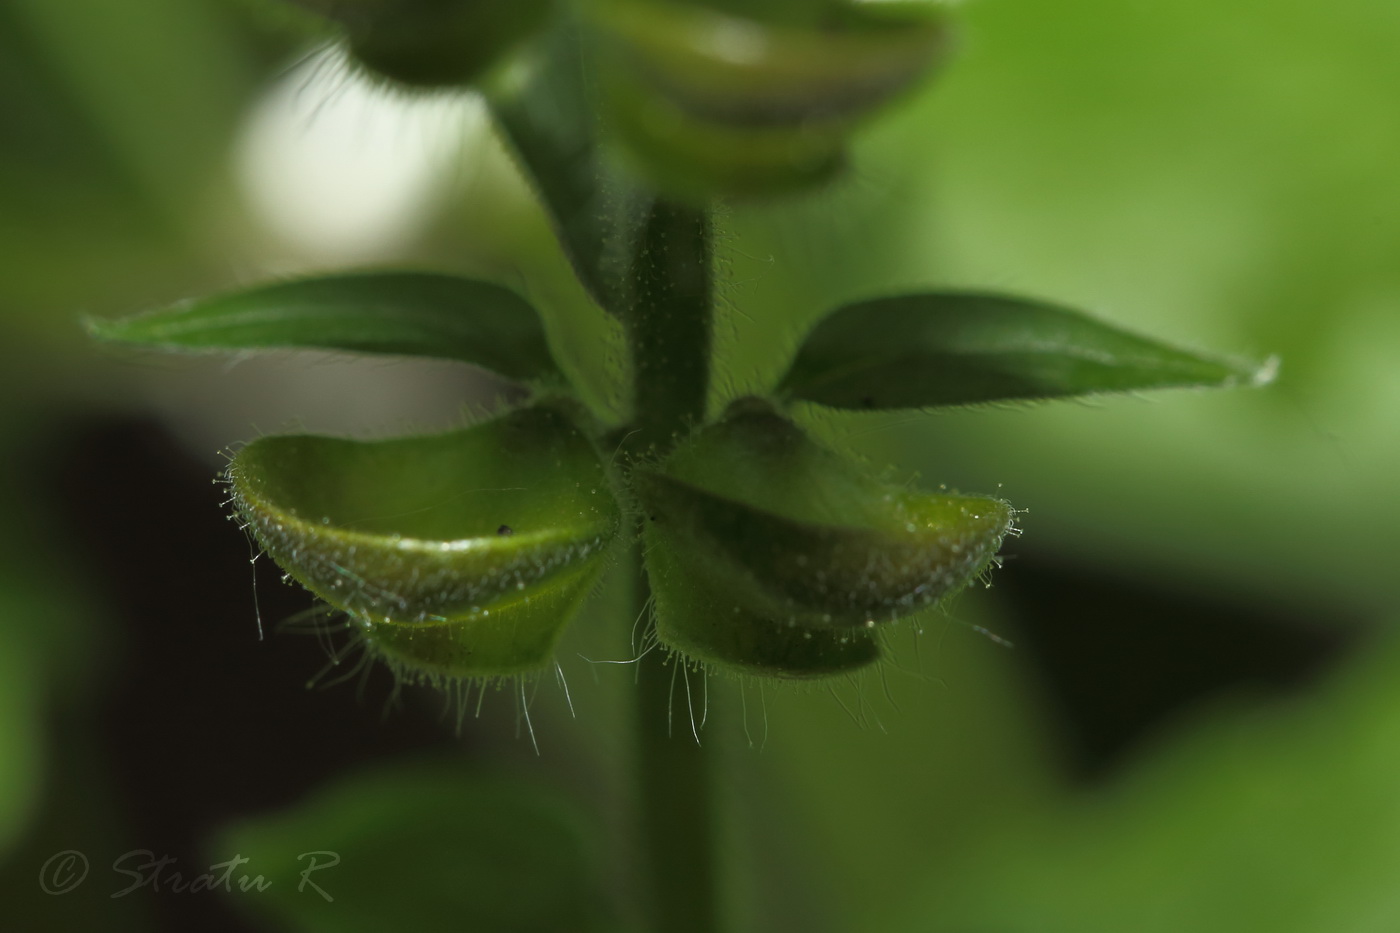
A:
{"points": [[712, 101], [433, 43]]}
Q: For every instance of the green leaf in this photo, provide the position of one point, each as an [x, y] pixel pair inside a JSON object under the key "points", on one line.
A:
{"points": [[459, 554], [404, 313], [427, 848], [956, 348], [546, 114]]}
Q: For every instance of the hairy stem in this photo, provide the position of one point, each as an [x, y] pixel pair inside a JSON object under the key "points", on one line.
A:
{"points": [[669, 324]]}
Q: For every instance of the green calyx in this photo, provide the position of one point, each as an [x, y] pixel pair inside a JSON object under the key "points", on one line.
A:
{"points": [[464, 553], [717, 101], [793, 547], [514, 635], [702, 615]]}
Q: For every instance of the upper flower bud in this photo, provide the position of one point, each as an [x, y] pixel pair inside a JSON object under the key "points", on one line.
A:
{"points": [[759, 99], [432, 43]]}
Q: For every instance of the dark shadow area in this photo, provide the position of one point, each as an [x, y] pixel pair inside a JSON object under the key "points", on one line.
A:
{"points": [[198, 721], [1121, 657]]}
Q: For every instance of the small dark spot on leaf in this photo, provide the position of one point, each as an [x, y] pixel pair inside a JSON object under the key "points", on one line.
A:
{"points": [[505, 531], [868, 401]]}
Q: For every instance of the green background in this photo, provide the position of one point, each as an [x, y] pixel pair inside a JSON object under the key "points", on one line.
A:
{"points": [[1220, 175]]}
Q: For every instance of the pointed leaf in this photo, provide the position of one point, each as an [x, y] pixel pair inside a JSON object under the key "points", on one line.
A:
{"points": [[955, 348], [460, 553], [405, 313]]}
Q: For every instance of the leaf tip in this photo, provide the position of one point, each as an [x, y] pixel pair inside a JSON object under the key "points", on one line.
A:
{"points": [[1265, 373], [98, 328]]}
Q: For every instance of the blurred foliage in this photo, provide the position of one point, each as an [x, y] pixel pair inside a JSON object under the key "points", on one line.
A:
{"points": [[1283, 819], [429, 848], [1220, 175], [1215, 175]]}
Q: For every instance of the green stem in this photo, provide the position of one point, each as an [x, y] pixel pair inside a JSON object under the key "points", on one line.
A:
{"points": [[669, 325], [674, 800]]}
